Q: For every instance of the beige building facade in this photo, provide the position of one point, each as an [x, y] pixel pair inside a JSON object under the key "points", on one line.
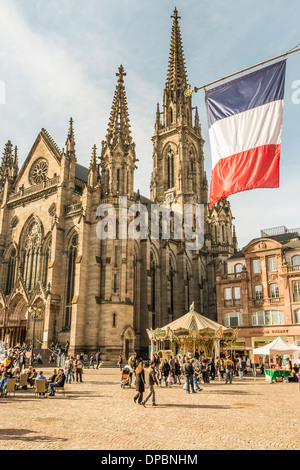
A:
{"points": [[61, 278], [260, 292]]}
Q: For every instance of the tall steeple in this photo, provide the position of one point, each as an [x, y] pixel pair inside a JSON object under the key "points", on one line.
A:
{"points": [[177, 106], [178, 160], [118, 150]]}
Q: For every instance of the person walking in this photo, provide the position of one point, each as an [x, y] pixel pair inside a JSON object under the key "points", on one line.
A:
{"points": [[70, 370], [253, 366], [98, 360], [188, 371], [139, 383], [152, 380], [229, 367], [78, 367], [240, 368], [165, 371], [196, 375], [92, 359], [177, 371], [120, 362], [173, 368]]}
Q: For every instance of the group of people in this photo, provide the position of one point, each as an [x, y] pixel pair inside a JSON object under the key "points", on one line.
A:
{"points": [[171, 371]]}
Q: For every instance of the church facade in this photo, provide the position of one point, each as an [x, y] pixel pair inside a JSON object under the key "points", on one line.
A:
{"points": [[59, 280]]}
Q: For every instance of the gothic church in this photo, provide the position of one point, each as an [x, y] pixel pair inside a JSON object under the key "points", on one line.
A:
{"points": [[58, 281]]}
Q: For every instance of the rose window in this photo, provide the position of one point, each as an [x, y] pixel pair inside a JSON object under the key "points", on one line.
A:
{"points": [[38, 171]]}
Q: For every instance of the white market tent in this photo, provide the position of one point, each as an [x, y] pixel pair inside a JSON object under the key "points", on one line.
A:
{"points": [[277, 347]]}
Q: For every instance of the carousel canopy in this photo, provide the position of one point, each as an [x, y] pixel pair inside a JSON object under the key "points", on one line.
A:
{"points": [[278, 346], [194, 326], [192, 320]]}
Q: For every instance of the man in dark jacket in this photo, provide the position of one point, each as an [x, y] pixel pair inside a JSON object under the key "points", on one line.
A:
{"points": [[152, 380], [188, 371]]}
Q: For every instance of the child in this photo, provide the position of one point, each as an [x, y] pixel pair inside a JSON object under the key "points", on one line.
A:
{"points": [[159, 376], [170, 380]]}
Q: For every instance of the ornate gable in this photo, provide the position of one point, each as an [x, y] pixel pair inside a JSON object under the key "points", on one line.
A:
{"points": [[42, 162]]}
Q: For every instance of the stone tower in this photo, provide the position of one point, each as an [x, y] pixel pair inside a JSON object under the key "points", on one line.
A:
{"points": [[117, 162], [178, 161]]}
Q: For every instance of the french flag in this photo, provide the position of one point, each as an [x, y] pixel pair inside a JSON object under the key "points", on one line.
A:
{"points": [[245, 122]]}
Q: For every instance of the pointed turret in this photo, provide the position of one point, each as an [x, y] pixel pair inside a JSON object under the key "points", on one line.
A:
{"points": [[70, 142], [9, 164], [93, 174], [118, 150], [119, 126]]}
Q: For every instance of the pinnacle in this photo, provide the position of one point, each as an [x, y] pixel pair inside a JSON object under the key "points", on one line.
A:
{"points": [[119, 125], [177, 77]]}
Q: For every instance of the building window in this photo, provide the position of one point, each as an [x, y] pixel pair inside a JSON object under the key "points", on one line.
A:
{"points": [[256, 266], [296, 291], [72, 255], [116, 257], [171, 277], [118, 180], [188, 289], [232, 297], [170, 163], [11, 271], [114, 322], [115, 283], [274, 291], [153, 281], [238, 268], [272, 263], [236, 296], [296, 262], [227, 297], [297, 315], [268, 317], [233, 320], [258, 292]]}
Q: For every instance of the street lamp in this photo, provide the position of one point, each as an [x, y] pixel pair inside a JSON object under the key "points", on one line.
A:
{"points": [[35, 313]]}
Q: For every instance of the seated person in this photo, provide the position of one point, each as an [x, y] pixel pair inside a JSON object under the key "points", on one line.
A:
{"points": [[53, 376], [3, 383], [32, 376], [16, 375], [42, 377], [59, 382]]}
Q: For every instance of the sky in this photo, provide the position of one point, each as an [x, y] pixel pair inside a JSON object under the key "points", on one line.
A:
{"points": [[59, 59]]}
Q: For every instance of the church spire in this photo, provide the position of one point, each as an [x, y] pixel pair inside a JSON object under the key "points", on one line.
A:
{"points": [[118, 156], [177, 106], [177, 76], [119, 126]]}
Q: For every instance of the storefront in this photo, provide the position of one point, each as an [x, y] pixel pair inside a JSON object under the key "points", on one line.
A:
{"points": [[257, 337]]}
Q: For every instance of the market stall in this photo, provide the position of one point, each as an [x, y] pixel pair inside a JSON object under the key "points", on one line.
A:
{"points": [[278, 347], [192, 333]]}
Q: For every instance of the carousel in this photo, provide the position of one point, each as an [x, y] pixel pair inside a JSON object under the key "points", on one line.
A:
{"points": [[192, 333]]}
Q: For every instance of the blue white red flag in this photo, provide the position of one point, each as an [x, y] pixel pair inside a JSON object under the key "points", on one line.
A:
{"points": [[245, 123]]}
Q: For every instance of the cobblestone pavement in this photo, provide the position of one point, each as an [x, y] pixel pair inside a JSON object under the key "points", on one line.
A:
{"points": [[99, 415]]}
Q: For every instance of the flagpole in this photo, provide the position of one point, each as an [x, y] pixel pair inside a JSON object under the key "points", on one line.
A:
{"points": [[196, 89]]}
